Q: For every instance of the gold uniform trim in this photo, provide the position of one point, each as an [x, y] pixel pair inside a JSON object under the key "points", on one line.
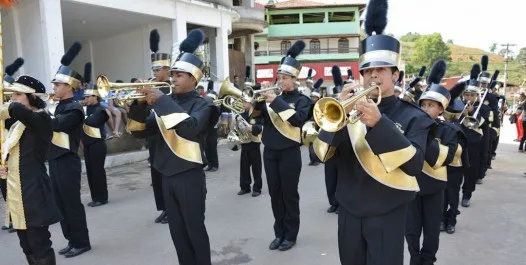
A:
{"points": [[438, 173], [284, 127], [189, 68], [161, 63], [171, 120], [482, 120], [91, 92], [256, 139], [61, 139], [374, 166], [4, 111], [20, 88], [289, 69], [497, 130], [394, 159], [380, 55], [457, 159], [286, 114], [134, 126], [92, 132], [442, 155], [323, 150], [62, 78], [182, 148]]}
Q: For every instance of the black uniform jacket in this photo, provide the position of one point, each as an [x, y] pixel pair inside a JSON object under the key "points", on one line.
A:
{"points": [[475, 135], [440, 152], [67, 128], [376, 166], [283, 119], [179, 123], [30, 200], [257, 129], [93, 128]]}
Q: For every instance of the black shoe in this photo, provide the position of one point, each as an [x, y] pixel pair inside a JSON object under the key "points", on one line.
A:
{"points": [[97, 203], [256, 193], [164, 220], [160, 217], [332, 209], [465, 202], [76, 251], [489, 167], [275, 243], [479, 181], [208, 168], [286, 245], [316, 163], [65, 250], [11, 230], [337, 210], [443, 226], [311, 163], [10, 225], [243, 192], [450, 229], [213, 169]]}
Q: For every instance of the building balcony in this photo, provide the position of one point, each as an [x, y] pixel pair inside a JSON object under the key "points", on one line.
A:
{"points": [[251, 21], [327, 54], [227, 3]]}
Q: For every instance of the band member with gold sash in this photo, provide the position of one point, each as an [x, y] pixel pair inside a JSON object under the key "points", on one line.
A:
{"points": [[93, 140], [377, 156], [455, 169], [10, 70], [161, 72], [251, 155], [30, 202], [425, 211], [64, 161], [315, 95], [212, 136], [180, 122], [414, 90], [474, 135], [284, 116]]}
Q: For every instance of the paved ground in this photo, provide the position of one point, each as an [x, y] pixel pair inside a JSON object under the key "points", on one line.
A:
{"points": [[491, 232]]}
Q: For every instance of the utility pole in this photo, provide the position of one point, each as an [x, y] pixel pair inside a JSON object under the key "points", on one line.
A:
{"points": [[506, 60]]}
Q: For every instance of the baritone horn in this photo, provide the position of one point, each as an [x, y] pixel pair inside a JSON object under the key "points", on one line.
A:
{"points": [[230, 97], [127, 91], [330, 114]]}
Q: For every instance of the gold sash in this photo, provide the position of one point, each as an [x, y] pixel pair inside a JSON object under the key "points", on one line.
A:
{"points": [[372, 165], [284, 127], [457, 159], [61, 139], [439, 173], [91, 131], [182, 148], [134, 126]]}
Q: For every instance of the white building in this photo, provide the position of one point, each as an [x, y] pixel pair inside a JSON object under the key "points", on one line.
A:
{"points": [[115, 33]]}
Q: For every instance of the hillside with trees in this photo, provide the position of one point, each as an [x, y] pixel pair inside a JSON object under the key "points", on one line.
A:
{"points": [[419, 50]]}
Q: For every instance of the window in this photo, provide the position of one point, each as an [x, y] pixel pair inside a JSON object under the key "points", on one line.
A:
{"points": [[285, 19], [285, 45], [343, 45], [238, 2], [314, 46], [341, 16], [313, 17]]}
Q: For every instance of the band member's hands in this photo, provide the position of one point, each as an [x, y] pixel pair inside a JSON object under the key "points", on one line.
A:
{"points": [[270, 96], [151, 94], [370, 114], [348, 91], [3, 172]]}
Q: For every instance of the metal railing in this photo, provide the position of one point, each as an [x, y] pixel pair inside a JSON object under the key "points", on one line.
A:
{"points": [[307, 51]]}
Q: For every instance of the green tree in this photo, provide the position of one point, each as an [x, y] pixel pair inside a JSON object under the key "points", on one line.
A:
{"points": [[521, 57], [430, 48], [493, 48], [411, 37]]}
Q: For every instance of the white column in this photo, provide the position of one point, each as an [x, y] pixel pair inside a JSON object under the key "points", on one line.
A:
{"points": [[212, 35], [249, 53], [178, 28], [221, 45], [52, 45]]}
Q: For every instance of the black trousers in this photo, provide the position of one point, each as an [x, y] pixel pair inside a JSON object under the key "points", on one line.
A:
{"points": [[185, 195], [484, 155], [3, 188], [65, 178], [250, 157], [312, 156], [521, 145], [471, 174], [424, 215], [157, 178], [452, 195], [283, 168], [331, 179], [211, 149], [377, 240], [94, 157], [494, 145], [36, 242]]}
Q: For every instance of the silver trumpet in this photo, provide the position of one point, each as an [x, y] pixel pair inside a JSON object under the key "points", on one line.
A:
{"points": [[251, 95]]}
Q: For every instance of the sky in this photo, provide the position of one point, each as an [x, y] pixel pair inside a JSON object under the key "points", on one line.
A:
{"points": [[472, 23]]}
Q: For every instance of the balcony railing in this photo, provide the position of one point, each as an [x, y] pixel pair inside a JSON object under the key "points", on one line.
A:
{"points": [[307, 51]]}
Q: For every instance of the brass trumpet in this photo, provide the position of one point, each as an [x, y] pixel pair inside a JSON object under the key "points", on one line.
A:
{"points": [[129, 90], [252, 96], [471, 122], [330, 114]]}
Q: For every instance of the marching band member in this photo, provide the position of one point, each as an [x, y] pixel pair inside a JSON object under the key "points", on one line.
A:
{"points": [[64, 161], [93, 140], [314, 96], [413, 92], [399, 86], [251, 155], [309, 83], [350, 77], [425, 211], [10, 70], [474, 135], [30, 203], [211, 137], [455, 169], [284, 116], [179, 123], [493, 100], [161, 72], [378, 156]]}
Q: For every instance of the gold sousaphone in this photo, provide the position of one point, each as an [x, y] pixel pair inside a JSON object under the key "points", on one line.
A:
{"points": [[331, 115]]}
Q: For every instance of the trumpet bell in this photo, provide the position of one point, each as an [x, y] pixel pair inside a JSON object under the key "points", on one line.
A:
{"points": [[233, 141], [103, 86], [329, 114], [470, 122], [228, 89]]}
